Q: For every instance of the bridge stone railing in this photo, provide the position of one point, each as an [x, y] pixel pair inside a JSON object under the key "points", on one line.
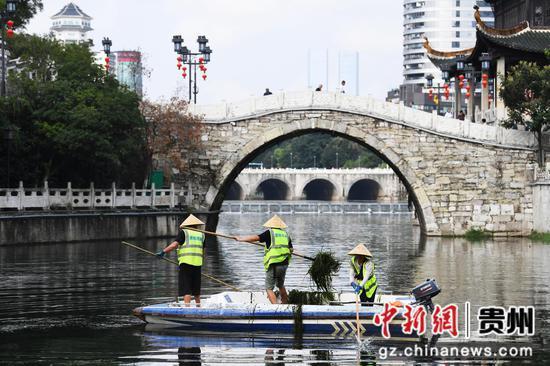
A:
{"points": [[69, 198], [368, 106]]}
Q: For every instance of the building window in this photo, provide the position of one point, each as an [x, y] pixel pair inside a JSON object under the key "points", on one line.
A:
{"points": [[457, 3], [457, 34], [457, 13], [455, 44], [456, 24]]}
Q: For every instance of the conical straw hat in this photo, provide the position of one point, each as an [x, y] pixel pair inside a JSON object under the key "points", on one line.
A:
{"points": [[191, 220], [275, 222], [360, 249]]}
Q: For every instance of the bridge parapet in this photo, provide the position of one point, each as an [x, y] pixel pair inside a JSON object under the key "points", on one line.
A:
{"points": [[366, 106]]}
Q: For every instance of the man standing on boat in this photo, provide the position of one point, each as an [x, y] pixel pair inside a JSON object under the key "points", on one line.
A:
{"points": [[277, 253], [190, 249], [362, 277]]}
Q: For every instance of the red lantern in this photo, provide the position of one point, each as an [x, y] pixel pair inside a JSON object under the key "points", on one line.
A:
{"points": [[9, 23], [485, 77], [107, 67], [446, 95], [468, 88], [461, 84], [107, 59], [180, 59], [484, 83], [460, 77], [201, 67], [204, 69], [179, 65], [446, 86], [184, 75], [184, 68], [467, 94], [9, 33], [204, 77], [201, 60], [430, 93]]}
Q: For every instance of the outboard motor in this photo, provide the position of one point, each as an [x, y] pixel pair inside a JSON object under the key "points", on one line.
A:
{"points": [[424, 293]]}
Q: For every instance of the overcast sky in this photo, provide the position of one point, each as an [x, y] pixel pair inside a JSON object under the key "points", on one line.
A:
{"points": [[256, 43]]}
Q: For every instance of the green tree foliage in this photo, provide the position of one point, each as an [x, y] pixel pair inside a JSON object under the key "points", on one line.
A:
{"points": [[73, 123], [26, 9], [320, 150], [526, 93]]}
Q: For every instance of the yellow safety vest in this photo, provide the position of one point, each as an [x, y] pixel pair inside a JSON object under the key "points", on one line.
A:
{"points": [[190, 252], [279, 250], [370, 285]]}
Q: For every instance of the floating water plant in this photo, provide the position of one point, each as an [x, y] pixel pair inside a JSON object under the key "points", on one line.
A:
{"points": [[323, 268]]}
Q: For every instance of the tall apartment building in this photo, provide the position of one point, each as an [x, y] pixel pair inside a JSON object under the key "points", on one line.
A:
{"points": [[449, 25], [71, 24]]}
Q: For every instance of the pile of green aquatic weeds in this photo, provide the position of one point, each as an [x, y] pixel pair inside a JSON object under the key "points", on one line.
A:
{"points": [[323, 268]]}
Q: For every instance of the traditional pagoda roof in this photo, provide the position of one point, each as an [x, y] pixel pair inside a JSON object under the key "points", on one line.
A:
{"points": [[521, 38], [71, 10]]}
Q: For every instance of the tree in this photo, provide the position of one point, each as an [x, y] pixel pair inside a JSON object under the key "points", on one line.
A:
{"points": [[25, 10], [170, 131], [526, 93], [74, 122]]}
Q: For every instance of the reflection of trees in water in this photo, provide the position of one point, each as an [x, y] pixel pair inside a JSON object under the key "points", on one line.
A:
{"points": [[189, 356]]}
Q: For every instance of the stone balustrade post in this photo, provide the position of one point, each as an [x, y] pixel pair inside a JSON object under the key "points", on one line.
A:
{"points": [[133, 195], [21, 195], [46, 196], [69, 196], [153, 194], [92, 195], [172, 195], [113, 199]]}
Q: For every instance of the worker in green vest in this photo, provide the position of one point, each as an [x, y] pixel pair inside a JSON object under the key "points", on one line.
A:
{"points": [[362, 276], [277, 253], [190, 250]]}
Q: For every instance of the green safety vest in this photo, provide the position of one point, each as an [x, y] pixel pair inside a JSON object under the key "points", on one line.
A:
{"points": [[190, 252], [279, 250], [370, 285]]}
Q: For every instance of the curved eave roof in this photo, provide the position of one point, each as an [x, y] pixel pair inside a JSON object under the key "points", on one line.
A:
{"points": [[71, 10], [521, 37]]}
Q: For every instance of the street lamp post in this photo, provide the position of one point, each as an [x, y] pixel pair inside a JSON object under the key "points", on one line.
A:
{"points": [[430, 84], [191, 59], [9, 134], [11, 7], [107, 43]]}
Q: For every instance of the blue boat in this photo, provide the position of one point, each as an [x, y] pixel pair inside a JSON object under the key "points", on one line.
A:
{"points": [[250, 312]]}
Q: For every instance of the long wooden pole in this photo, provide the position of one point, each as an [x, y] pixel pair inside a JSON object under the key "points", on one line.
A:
{"points": [[250, 242], [357, 319], [176, 263]]}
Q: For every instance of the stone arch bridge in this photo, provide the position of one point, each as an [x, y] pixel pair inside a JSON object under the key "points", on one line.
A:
{"points": [[460, 175], [318, 184]]}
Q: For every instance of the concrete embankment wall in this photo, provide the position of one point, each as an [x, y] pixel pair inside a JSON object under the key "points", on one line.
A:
{"points": [[44, 228]]}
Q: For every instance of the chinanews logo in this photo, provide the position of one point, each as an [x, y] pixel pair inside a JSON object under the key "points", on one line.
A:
{"points": [[515, 320]]}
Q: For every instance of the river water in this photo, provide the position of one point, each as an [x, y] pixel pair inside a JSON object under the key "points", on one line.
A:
{"points": [[71, 303]]}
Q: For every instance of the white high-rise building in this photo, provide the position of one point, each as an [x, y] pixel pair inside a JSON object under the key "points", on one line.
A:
{"points": [[449, 25], [71, 24]]}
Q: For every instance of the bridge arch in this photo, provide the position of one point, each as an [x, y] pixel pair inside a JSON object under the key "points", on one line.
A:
{"points": [[319, 189], [255, 145], [234, 192], [274, 189], [364, 189]]}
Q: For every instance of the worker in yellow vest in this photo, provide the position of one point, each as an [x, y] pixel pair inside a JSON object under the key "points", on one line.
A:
{"points": [[277, 253], [190, 250], [362, 276]]}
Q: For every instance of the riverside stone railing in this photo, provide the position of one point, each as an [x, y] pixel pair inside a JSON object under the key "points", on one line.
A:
{"points": [[46, 198]]}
